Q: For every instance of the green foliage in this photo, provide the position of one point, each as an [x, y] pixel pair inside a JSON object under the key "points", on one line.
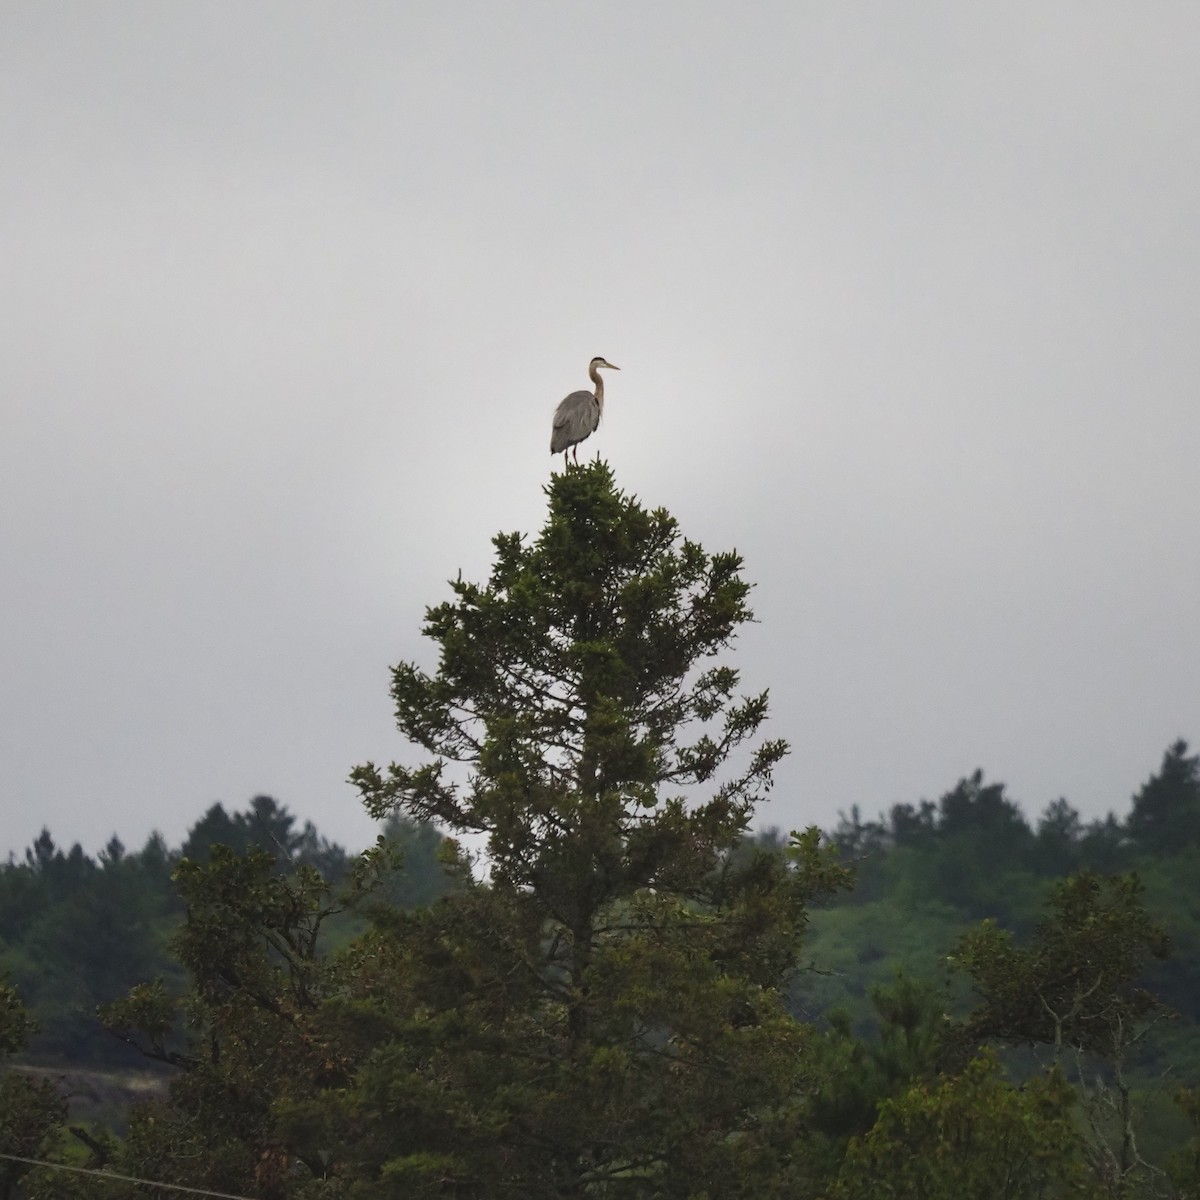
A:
{"points": [[248, 1039], [90, 930], [1075, 988], [608, 1011], [416, 876], [1074, 985], [923, 875], [15, 1025], [972, 852], [913, 1033], [624, 994], [31, 1111], [78, 932], [604, 1013], [1166, 811], [972, 1135], [861, 947], [1184, 1164], [1172, 895], [269, 827], [567, 682]]}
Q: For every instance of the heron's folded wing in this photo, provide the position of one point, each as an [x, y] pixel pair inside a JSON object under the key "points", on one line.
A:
{"points": [[571, 407]]}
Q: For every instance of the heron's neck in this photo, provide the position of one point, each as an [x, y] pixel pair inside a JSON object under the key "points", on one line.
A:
{"points": [[594, 376]]}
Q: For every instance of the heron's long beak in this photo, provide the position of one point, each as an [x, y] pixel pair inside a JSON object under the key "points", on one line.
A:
{"points": [[611, 367]]}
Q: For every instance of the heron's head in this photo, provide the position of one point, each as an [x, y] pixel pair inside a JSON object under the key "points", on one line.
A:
{"points": [[599, 362]]}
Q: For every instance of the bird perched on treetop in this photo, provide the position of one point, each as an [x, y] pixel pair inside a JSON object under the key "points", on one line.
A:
{"points": [[578, 415]]}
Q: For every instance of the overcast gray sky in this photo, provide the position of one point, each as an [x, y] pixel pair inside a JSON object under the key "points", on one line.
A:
{"points": [[905, 298]]}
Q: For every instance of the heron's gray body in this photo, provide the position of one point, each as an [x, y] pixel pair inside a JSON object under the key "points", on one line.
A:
{"points": [[578, 415]]}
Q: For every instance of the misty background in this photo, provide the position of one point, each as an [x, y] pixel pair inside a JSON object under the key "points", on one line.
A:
{"points": [[904, 297]]}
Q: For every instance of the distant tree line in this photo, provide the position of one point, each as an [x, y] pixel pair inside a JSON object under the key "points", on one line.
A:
{"points": [[973, 855], [977, 824]]}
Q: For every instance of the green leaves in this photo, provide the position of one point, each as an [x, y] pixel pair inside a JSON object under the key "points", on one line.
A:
{"points": [[15, 1025], [31, 1111], [1075, 983], [1166, 810], [974, 1136]]}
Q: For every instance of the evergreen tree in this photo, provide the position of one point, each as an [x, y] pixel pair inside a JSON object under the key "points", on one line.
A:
{"points": [[268, 826], [420, 876], [89, 931], [1059, 837], [982, 841], [915, 1038], [607, 1012], [1166, 811], [247, 1041]]}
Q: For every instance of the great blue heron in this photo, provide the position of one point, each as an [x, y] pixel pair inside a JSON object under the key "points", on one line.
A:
{"points": [[578, 415]]}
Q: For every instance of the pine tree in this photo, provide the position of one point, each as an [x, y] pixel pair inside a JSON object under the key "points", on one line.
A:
{"points": [[1165, 819], [604, 1015]]}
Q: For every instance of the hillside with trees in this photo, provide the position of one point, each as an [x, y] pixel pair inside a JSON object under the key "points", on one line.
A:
{"points": [[629, 993]]}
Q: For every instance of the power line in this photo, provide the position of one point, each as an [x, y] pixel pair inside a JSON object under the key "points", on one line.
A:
{"points": [[174, 1187]]}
